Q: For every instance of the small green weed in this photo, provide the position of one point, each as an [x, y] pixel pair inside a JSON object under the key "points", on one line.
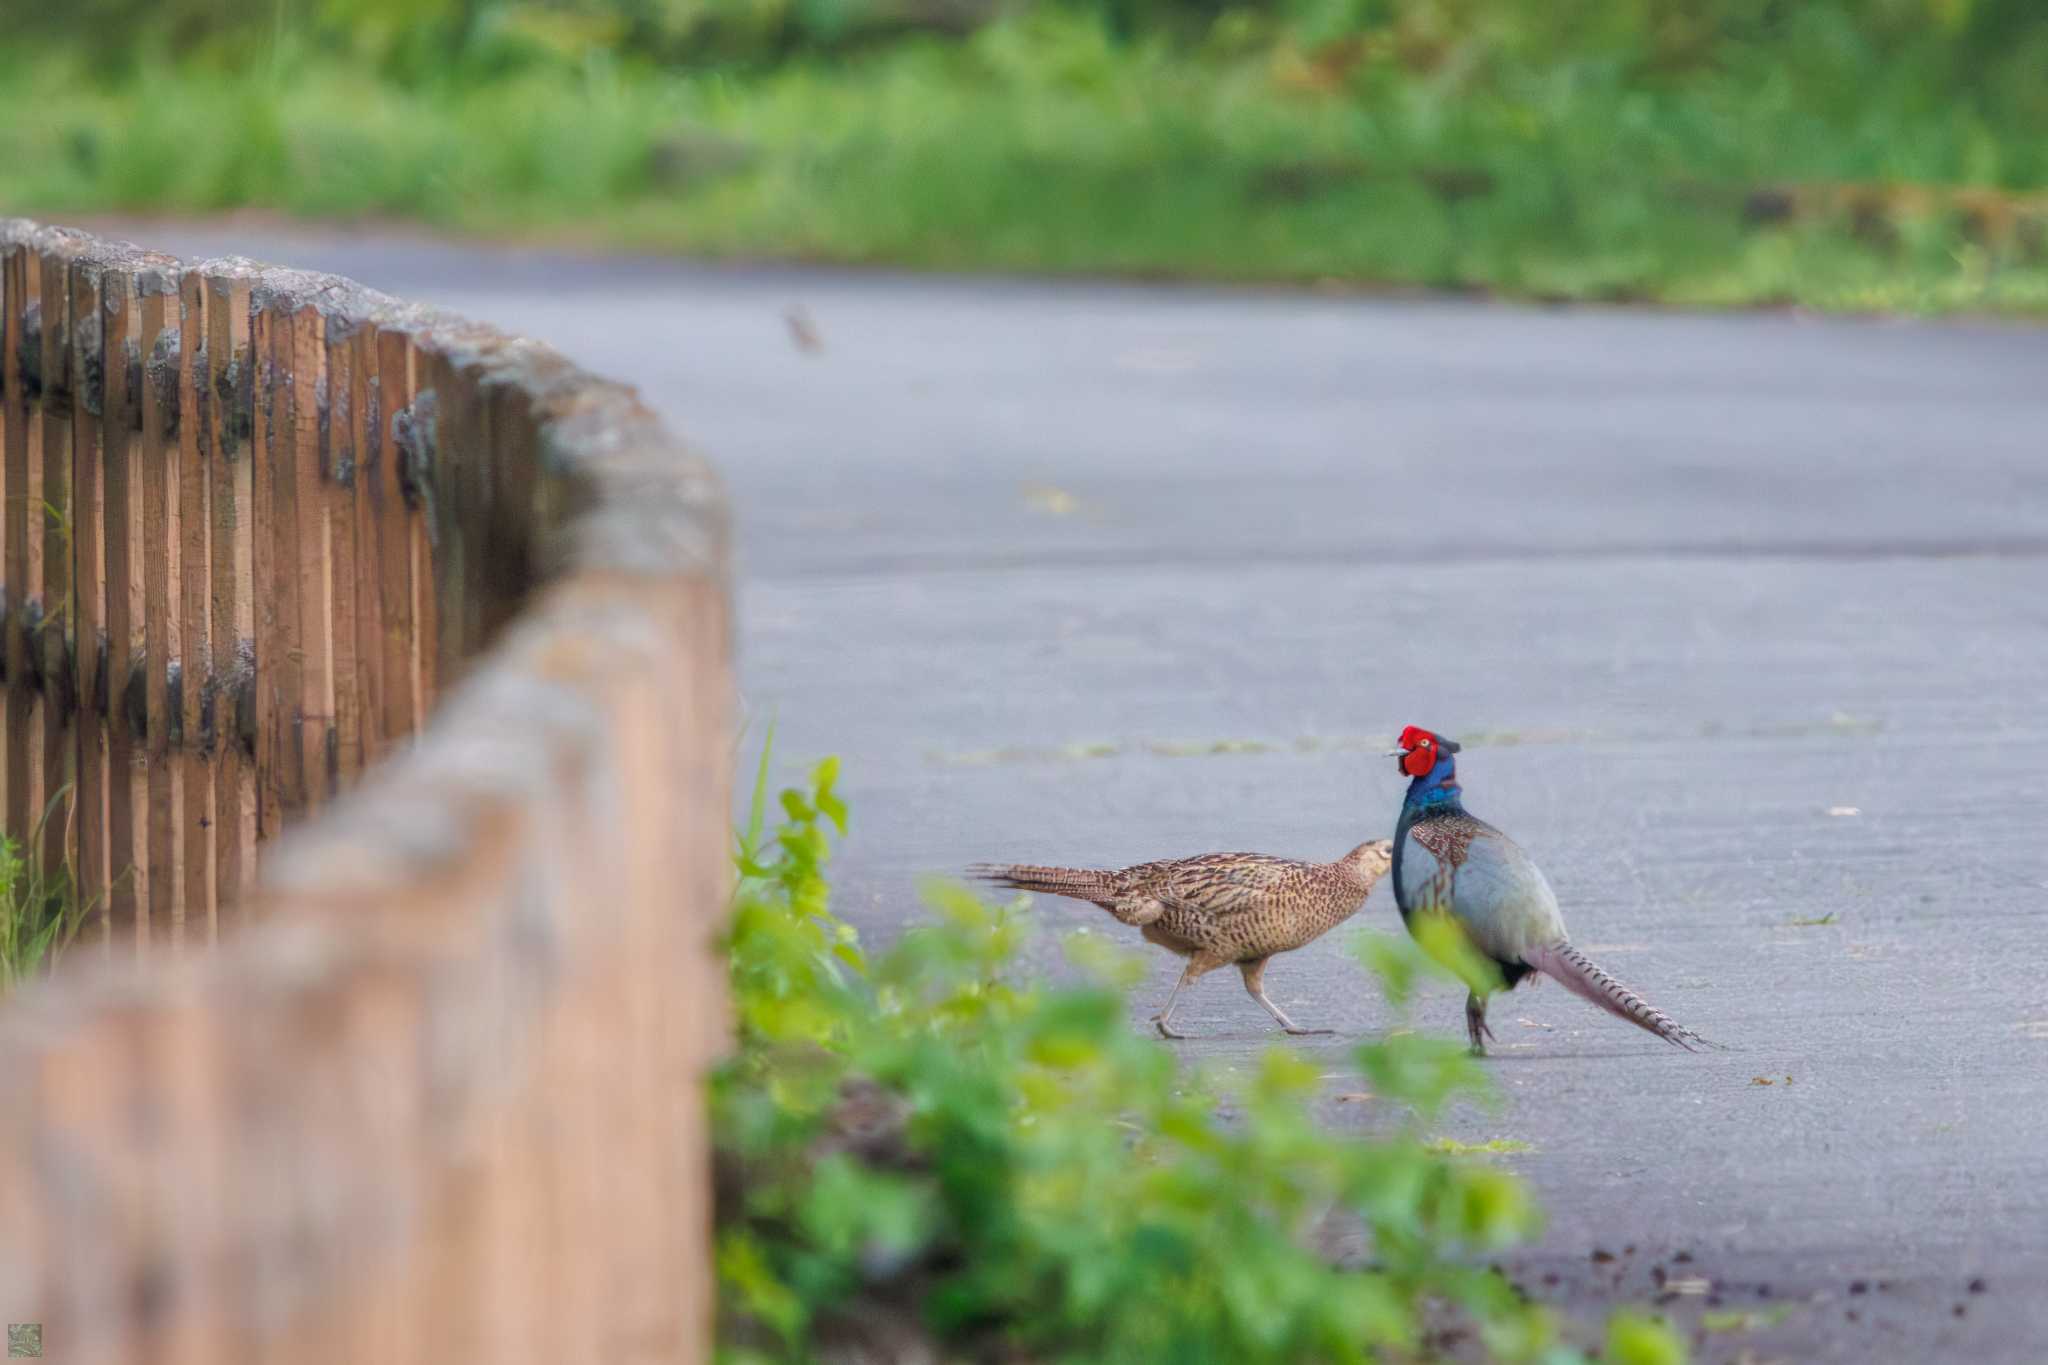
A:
{"points": [[1736, 1320], [1494, 1147], [39, 915]]}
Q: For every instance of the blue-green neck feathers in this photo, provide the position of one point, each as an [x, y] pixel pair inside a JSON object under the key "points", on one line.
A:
{"points": [[1436, 789]]}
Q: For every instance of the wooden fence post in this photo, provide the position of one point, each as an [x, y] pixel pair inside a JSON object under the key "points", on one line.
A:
{"points": [[121, 512], [160, 630], [54, 624], [14, 409], [197, 412], [232, 368], [88, 576], [310, 566]]}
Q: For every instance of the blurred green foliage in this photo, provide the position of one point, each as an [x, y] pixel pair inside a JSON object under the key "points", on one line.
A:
{"points": [[1840, 153], [1008, 1168], [1978, 49]]}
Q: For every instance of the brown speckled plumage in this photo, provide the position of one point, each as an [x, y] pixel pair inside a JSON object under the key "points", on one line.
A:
{"points": [[1218, 908]]}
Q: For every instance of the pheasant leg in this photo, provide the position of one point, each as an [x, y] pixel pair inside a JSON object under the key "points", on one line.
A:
{"points": [[1255, 986], [1164, 1019], [1199, 965], [1475, 1024]]}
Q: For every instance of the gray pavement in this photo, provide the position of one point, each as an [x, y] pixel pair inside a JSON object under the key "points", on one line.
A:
{"points": [[1742, 619]]}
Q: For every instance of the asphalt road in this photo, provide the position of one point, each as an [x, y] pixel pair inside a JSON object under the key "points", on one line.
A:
{"points": [[1742, 620]]}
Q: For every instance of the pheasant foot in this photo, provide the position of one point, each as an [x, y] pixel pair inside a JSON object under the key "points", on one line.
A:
{"points": [[1476, 1027]]}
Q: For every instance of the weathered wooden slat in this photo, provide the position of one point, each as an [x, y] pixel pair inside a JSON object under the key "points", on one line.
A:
{"points": [[14, 287], [54, 592], [365, 413], [161, 634], [194, 597], [313, 564], [13, 430], [274, 582], [88, 577], [231, 686], [25, 502], [423, 493], [445, 428], [510, 529], [471, 466], [397, 545], [120, 501], [338, 461]]}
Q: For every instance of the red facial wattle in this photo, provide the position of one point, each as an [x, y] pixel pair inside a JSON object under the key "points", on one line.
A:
{"points": [[1422, 751]]}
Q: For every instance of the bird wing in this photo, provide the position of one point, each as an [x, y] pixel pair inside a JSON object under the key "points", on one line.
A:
{"points": [[1218, 884], [1493, 888], [1505, 900]]}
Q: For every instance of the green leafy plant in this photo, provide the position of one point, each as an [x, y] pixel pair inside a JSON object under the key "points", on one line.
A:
{"points": [[923, 1142]]}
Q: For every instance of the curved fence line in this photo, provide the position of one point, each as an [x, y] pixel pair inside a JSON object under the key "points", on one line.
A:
{"points": [[438, 1098]]}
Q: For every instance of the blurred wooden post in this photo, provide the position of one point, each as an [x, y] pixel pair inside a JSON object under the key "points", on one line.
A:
{"points": [[472, 466], [271, 521], [23, 545], [25, 571], [53, 598], [342, 754], [422, 519], [366, 449], [88, 576], [157, 475], [310, 567], [197, 413], [120, 510], [231, 682], [398, 545], [441, 411], [505, 543], [14, 407]]}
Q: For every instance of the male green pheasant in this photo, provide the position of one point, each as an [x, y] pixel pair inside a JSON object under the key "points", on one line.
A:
{"points": [[1449, 862], [1218, 908]]}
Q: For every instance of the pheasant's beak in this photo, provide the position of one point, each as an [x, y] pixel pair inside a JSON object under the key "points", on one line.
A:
{"points": [[1396, 753]]}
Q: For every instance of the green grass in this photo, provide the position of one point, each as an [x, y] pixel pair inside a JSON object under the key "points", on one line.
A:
{"points": [[1493, 1147], [1039, 144], [39, 916]]}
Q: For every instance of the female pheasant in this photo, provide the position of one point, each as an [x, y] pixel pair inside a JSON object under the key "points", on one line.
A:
{"points": [[1218, 908], [1446, 861]]}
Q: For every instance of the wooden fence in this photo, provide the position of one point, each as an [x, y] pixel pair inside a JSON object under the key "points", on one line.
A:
{"points": [[435, 1097]]}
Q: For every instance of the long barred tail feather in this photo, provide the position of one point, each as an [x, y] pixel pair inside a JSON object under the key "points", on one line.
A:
{"points": [[1582, 976], [1081, 883]]}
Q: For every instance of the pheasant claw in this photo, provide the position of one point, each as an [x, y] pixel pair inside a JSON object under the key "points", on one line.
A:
{"points": [[1166, 1030]]}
